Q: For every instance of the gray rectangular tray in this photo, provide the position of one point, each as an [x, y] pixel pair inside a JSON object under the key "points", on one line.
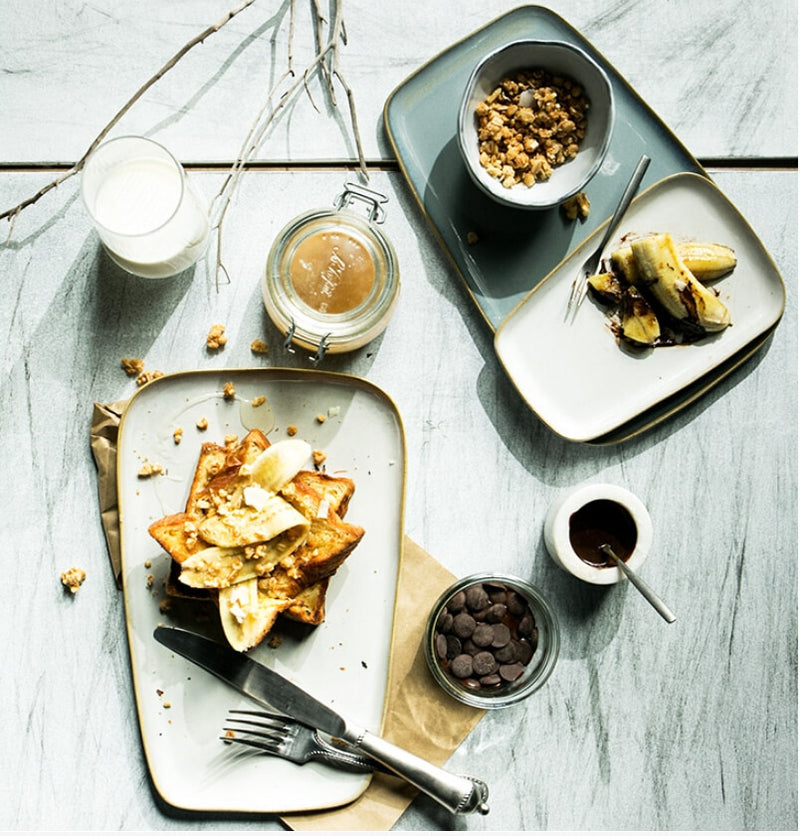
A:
{"points": [[517, 249]]}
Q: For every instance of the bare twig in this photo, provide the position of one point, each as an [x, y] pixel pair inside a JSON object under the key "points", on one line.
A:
{"points": [[12, 213], [327, 50], [326, 62]]}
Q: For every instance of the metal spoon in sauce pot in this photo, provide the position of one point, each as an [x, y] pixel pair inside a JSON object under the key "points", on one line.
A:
{"points": [[661, 608]]}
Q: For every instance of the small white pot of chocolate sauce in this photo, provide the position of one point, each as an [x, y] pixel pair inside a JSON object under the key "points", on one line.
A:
{"points": [[582, 519]]}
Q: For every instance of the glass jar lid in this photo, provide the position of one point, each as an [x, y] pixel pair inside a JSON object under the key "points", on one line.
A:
{"points": [[331, 281]]}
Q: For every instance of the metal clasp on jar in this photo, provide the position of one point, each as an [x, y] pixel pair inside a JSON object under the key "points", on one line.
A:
{"points": [[318, 355], [372, 200]]}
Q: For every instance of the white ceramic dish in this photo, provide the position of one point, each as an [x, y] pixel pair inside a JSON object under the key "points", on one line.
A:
{"points": [[557, 530], [340, 661], [576, 377], [559, 58]]}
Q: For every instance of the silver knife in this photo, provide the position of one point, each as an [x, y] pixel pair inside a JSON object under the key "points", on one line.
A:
{"points": [[457, 793]]}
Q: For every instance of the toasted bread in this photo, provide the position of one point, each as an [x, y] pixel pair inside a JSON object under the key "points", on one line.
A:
{"points": [[293, 582]]}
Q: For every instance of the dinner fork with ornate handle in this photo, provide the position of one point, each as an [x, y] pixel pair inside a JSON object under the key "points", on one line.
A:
{"points": [[580, 283], [292, 740]]}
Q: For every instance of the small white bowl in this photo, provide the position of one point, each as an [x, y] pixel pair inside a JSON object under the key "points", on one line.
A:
{"points": [[557, 528], [555, 57]]}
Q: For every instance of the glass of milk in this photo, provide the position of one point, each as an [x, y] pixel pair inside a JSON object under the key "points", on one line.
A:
{"points": [[148, 216]]}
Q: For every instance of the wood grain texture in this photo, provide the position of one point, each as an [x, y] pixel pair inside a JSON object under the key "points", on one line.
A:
{"points": [[68, 67], [643, 725]]}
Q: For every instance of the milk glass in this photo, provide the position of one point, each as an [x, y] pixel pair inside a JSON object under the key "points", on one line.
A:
{"points": [[149, 217]]}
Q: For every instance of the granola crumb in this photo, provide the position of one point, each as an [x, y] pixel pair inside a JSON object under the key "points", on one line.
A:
{"points": [[230, 734], [274, 641], [321, 419], [229, 391], [149, 581], [259, 347], [177, 435], [167, 704], [319, 457], [165, 605], [291, 429], [472, 238], [147, 377], [216, 337], [149, 469], [231, 439], [202, 423], [132, 366], [148, 564], [73, 578], [258, 400]]}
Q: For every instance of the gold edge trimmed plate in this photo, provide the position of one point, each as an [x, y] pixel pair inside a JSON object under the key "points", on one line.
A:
{"points": [[576, 377], [181, 708]]}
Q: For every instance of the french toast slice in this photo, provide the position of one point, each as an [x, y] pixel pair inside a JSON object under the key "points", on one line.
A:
{"points": [[295, 587]]}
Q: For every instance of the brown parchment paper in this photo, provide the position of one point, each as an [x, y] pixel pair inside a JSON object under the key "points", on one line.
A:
{"points": [[419, 716]]}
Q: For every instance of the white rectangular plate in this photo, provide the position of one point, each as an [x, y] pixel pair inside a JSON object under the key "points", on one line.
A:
{"points": [[343, 662], [577, 378]]}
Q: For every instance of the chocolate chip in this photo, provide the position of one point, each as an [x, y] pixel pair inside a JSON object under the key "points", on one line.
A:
{"points": [[496, 613], [477, 598], [462, 666], [453, 647], [463, 625], [457, 602], [441, 646], [511, 673], [501, 635], [485, 636], [484, 663]]}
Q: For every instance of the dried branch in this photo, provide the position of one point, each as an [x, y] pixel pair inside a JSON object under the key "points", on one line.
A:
{"points": [[326, 62], [12, 213], [328, 52]]}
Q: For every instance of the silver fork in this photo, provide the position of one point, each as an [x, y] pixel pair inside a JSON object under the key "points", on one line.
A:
{"points": [[292, 740], [580, 283]]}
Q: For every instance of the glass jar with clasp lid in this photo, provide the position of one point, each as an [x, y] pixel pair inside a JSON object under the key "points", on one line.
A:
{"points": [[332, 282]]}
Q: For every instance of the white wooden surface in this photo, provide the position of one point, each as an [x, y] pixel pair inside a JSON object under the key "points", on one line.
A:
{"points": [[722, 74], [643, 725]]}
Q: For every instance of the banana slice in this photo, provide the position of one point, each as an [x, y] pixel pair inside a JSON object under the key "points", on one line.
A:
{"points": [[278, 464], [216, 568], [247, 615], [674, 287], [247, 525]]}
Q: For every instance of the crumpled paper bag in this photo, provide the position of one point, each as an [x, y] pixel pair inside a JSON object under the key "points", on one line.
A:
{"points": [[419, 716]]}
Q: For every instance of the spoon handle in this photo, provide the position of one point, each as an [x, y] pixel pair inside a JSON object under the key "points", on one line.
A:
{"points": [[660, 607]]}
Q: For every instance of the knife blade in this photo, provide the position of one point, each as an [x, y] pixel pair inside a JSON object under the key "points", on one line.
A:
{"points": [[457, 793]]}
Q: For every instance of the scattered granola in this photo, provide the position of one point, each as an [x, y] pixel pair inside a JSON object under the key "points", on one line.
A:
{"points": [[291, 429], [216, 337], [73, 578], [258, 400], [321, 418], [149, 581], [259, 347], [575, 206], [132, 366], [472, 238], [229, 391], [149, 469], [231, 439], [177, 435], [524, 144], [319, 457], [202, 423], [146, 377]]}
